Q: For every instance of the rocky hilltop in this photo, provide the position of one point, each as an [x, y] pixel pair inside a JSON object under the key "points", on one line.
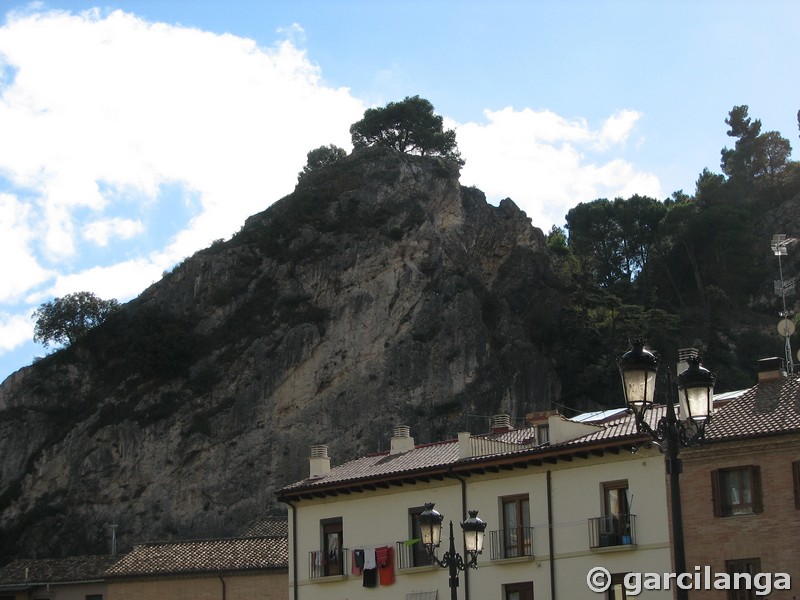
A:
{"points": [[381, 292]]}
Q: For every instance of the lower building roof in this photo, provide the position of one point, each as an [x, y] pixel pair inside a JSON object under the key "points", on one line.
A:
{"points": [[245, 554], [30, 572]]}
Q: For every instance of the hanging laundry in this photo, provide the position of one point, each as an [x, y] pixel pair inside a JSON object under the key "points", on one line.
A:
{"points": [[370, 578], [385, 559], [369, 558], [370, 568], [358, 561]]}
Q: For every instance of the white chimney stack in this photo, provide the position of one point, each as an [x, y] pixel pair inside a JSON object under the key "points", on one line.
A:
{"points": [[319, 462], [401, 440]]}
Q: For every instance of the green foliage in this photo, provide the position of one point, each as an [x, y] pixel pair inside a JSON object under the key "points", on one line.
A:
{"points": [[614, 240], [677, 272], [755, 154], [64, 320], [322, 157], [557, 241], [409, 126]]}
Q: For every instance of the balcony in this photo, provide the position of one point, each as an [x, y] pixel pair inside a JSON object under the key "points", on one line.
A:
{"points": [[411, 556], [516, 542], [612, 531], [322, 565]]}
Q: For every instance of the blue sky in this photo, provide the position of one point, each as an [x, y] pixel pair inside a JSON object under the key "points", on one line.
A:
{"points": [[134, 133]]}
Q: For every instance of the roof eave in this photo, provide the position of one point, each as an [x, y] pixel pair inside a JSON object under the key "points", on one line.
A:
{"points": [[462, 466]]}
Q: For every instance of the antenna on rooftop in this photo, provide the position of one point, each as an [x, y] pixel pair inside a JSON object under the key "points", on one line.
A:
{"points": [[784, 288], [114, 526]]}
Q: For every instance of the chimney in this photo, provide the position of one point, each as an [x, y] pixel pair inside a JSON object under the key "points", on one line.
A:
{"points": [[319, 462], [501, 423], [770, 369], [401, 440], [464, 445], [684, 354]]}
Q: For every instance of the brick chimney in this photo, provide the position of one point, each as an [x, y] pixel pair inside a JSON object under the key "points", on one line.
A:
{"points": [[319, 462], [401, 440], [771, 369]]}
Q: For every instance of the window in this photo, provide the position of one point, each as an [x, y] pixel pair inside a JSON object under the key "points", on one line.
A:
{"points": [[518, 591], [796, 476], [517, 536], [736, 491], [744, 570], [418, 554], [332, 545], [616, 522], [616, 590]]}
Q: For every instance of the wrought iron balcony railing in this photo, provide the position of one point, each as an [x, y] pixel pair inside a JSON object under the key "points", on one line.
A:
{"points": [[612, 530], [511, 543], [328, 564], [409, 555]]}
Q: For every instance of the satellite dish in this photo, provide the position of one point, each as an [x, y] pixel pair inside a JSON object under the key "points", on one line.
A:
{"points": [[786, 327]]}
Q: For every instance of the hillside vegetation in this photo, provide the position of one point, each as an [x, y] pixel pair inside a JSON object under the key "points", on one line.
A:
{"points": [[380, 292]]}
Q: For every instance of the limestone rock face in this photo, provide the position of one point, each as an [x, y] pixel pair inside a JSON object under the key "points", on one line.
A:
{"points": [[381, 292]]}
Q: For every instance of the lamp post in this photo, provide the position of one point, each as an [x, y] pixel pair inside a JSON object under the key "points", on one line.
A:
{"points": [[430, 522], [639, 368]]}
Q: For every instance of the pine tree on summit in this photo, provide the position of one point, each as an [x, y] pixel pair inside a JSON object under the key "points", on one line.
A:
{"points": [[409, 126]]}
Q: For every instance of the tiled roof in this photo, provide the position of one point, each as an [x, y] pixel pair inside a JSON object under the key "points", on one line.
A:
{"points": [[56, 570], [442, 456], [204, 556], [268, 526], [769, 408], [420, 458]]}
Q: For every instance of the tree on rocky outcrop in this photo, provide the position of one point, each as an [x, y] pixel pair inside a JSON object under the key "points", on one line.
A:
{"points": [[409, 126], [322, 157], [66, 319], [755, 154]]}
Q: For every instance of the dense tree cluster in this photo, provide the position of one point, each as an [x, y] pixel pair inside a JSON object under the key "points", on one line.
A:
{"points": [[679, 271]]}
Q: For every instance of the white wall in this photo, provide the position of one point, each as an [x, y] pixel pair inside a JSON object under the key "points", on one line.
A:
{"points": [[380, 518]]}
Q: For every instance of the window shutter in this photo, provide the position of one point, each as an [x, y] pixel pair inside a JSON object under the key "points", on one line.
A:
{"points": [[796, 476], [716, 492], [755, 474]]}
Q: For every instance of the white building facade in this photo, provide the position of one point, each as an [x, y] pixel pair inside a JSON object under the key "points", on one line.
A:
{"points": [[555, 510]]}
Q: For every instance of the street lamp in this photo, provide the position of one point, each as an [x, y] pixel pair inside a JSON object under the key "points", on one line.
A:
{"points": [[430, 524], [639, 368]]}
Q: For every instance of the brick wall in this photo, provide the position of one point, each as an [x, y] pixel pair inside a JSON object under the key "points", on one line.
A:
{"points": [[772, 536]]}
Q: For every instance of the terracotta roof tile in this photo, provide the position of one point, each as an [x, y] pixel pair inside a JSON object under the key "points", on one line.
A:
{"points": [[442, 455], [56, 570], [766, 409], [200, 556], [268, 527]]}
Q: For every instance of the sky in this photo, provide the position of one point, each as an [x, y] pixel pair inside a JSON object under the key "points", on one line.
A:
{"points": [[134, 133]]}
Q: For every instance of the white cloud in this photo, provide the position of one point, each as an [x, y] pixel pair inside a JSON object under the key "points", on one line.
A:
{"points": [[102, 102], [15, 330], [19, 269], [100, 112], [99, 232], [122, 280], [539, 160]]}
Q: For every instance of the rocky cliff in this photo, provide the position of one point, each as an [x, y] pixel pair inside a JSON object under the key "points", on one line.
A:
{"points": [[381, 292]]}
